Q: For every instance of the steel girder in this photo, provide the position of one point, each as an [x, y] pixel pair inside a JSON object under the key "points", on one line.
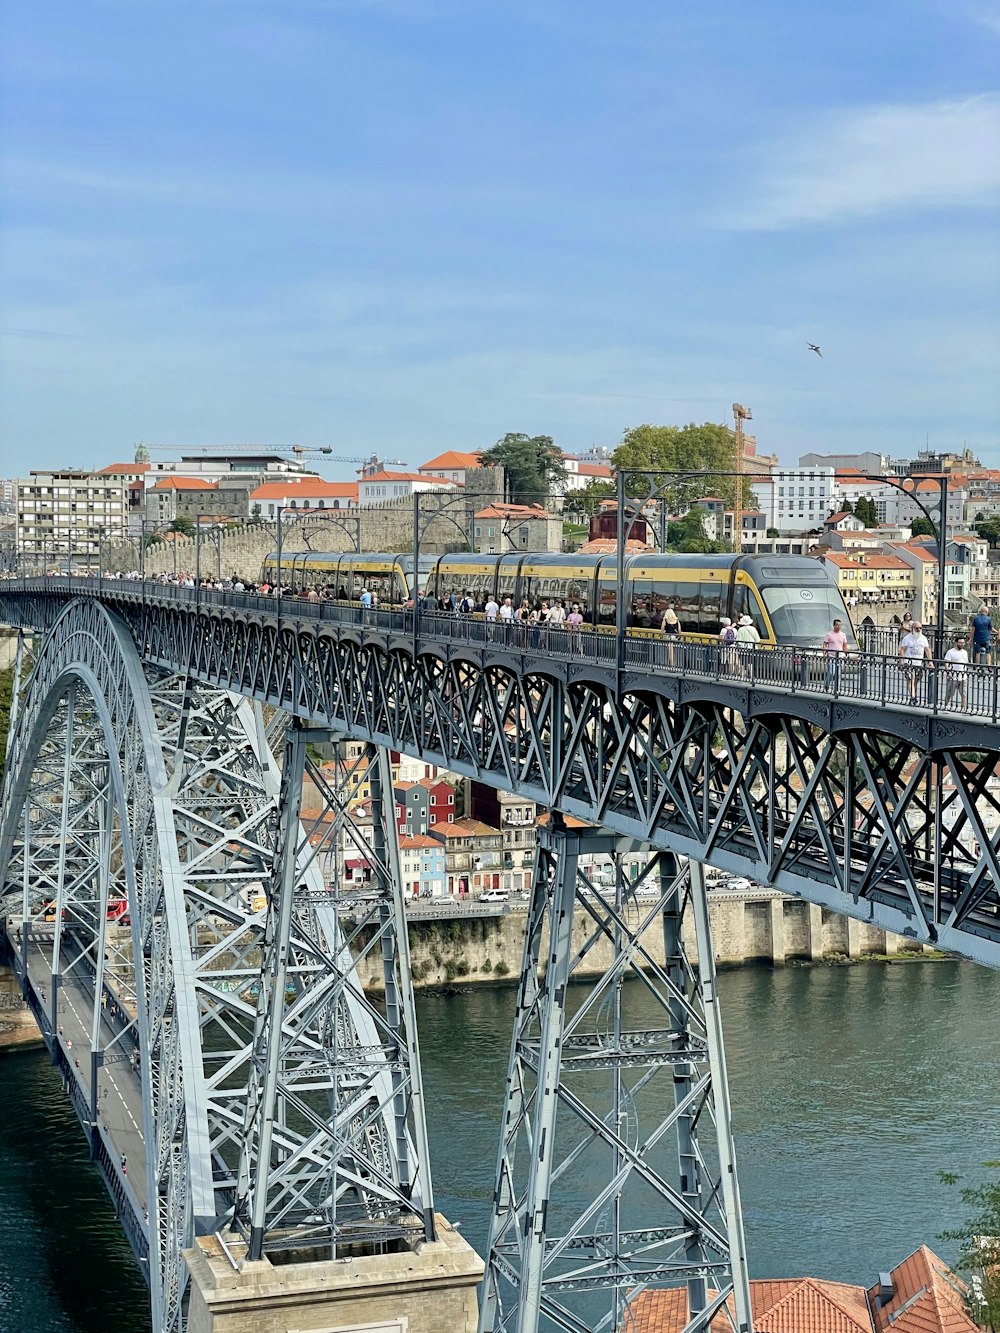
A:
{"points": [[839, 817], [827, 801], [616, 1169], [149, 787]]}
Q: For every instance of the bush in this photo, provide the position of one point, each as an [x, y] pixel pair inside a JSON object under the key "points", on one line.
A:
{"points": [[501, 968]]}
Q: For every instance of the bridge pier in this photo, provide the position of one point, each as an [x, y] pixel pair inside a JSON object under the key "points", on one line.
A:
{"points": [[602, 1187], [424, 1287]]}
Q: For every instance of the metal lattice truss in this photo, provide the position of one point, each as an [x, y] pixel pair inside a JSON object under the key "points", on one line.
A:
{"points": [[335, 1141], [137, 786], [613, 1091], [751, 780]]}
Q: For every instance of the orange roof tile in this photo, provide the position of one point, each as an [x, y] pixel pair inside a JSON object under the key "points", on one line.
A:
{"points": [[452, 460], [798, 1305], [415, 841], [184, 484], [123, 469], [594, 470], [927, 1298], [512, 511], [306, 488]]}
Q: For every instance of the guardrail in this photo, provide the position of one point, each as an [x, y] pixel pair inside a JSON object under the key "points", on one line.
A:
{"points": [[882, 679]]}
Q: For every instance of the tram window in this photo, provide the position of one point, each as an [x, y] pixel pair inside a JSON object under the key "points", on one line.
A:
{"points": [[711, 607], [745, 603], [608, 602]]}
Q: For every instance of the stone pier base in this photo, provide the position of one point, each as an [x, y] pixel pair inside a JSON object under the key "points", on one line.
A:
{"points": [[430, 1288]]}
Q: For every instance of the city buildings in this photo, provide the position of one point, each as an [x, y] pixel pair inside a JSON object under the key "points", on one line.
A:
{"points": [[473, 854], [510, 527], [920, 1295], [271, 497], [63, 517], [384, 487], [796, 499], [452, 465]]}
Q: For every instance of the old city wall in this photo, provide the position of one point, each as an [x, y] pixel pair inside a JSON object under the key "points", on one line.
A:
{"points": [[747, 928]]}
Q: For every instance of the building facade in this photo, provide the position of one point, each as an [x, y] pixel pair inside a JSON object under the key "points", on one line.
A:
{"points": [[63, 518], [796, 500]]}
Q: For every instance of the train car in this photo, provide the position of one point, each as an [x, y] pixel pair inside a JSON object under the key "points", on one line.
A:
{"points": [[390, 577], [790, 599]]}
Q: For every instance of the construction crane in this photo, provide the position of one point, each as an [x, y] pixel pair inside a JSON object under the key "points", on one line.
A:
{"points": [[368, 465], [740, 414]]}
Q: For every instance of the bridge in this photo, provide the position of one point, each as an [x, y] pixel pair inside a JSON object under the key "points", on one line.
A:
{"points": [[245, 1100]]}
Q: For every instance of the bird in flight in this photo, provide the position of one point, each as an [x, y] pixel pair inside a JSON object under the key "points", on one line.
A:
{"points": [[813, 348]]}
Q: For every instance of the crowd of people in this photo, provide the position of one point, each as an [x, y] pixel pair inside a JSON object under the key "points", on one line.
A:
{"points": [[532, 624]]}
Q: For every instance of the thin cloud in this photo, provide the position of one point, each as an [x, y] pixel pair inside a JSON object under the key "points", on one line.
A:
{"points": [[879, 160]]}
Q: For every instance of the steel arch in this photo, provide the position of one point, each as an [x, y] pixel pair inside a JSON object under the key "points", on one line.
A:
{"points": [[185, 781], [89, 656]]}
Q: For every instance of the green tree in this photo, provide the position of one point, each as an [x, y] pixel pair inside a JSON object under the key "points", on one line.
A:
{"points": [[182, 525], [866, 511], [773, 532], [533, 465], [989, 530], [664, 451], [255, 513], [587, 500], [688, 534], [922, 527], [978, 1240]]}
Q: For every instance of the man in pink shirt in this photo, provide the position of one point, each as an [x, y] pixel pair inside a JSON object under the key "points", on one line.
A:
{"points": [[834, 646]]}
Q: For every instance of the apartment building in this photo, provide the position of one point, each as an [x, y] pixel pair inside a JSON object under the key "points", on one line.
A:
{"points": [[64, 517], [793, 500], [473, 853]]}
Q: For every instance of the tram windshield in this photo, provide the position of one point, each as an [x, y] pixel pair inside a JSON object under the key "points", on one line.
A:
{"points": [[802, 614]]}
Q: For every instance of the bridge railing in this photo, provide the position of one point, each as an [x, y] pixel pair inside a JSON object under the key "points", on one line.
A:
{"points": [[866, 676]]}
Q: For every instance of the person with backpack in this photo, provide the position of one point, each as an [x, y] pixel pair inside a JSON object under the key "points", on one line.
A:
{"points": [[727, 640]]}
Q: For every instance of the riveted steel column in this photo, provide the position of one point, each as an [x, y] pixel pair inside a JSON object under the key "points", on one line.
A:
{"points": [[732, 1207], [254, 1174], [678, 971], [398, 980]]}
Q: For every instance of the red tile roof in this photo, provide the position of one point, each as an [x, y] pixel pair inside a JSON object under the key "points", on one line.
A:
{"points": [[123, 469], [184, 484], [417, 841], [797, 1305], [453, 460], [306, 489], [927, 1298]]}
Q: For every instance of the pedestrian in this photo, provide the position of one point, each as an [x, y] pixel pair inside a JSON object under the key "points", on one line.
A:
{"points": [[834, 647], [670, 626], [124, 1165], [534, 626], [429, 602], [982, 635], [506, 616], [914, 651], [365, 599], [491, 610], [746, 632], [557, 615], [574, 622], [957, 669], [467, 605]]}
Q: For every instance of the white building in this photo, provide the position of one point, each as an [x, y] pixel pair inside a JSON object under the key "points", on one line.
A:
{"points": [[302, 493], [383, 487], [580, 472], [797, 499], [65, 517], [451, 465]]}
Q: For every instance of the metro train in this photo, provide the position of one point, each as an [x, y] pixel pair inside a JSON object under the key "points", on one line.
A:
{"points": [[790, 599]]}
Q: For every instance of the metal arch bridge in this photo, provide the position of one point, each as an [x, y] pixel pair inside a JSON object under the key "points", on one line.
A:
{"points": [[269, 1100]]}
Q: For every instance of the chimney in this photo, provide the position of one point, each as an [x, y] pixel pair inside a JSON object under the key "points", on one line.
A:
{"points": [[885, 1289]]}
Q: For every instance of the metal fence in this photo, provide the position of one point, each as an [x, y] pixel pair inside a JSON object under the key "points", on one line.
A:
{"points": [[874, 674]]}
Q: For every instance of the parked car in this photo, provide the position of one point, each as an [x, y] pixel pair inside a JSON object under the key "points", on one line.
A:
{"points": [[494, 896]]}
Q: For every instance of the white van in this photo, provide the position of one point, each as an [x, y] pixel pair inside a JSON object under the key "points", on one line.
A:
{"points": [[494, 896]]}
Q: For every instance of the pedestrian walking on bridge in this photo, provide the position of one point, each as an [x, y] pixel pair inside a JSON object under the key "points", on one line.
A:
{"points": [[914, 653]]}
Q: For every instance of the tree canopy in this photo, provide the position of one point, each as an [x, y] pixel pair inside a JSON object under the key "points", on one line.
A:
{"points": [[989, 530], [664, 451], [922, 527], [182, 525], [688, 534], [979, 1245], [866, 511], [533, 464]]}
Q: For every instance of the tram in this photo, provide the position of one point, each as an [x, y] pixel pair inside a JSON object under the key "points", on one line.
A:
{"points": [[790, 599]]}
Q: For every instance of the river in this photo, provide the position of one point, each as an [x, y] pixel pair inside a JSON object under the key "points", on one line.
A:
{"points": [[851, 1086]]}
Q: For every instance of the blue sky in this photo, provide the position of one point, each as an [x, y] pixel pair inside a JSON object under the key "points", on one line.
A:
{"points": [[412, 225]]}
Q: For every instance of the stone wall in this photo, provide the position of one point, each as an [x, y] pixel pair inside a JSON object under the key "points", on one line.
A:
{"points": [[17, 1024], [445, 525], [746, 927]]}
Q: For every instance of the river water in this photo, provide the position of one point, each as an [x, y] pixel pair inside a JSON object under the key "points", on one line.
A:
{"points": [[851, 1087]]}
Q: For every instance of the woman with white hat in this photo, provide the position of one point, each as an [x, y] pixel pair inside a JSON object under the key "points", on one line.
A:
{"points": [[746, 631]]}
